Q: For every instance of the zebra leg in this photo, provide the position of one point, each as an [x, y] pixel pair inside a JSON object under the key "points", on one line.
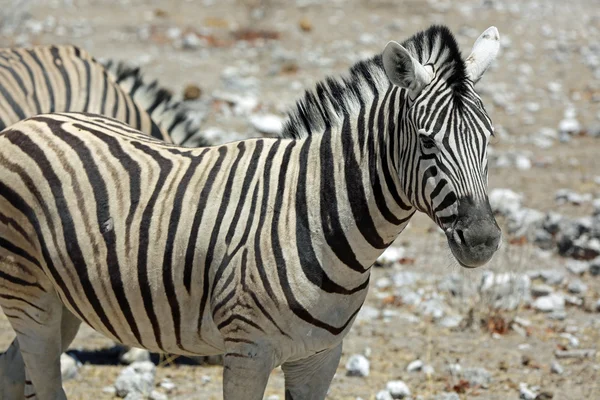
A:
{"points": [[246, 370], [68, 330], [12, 373], [309, 378], [39, 335]]}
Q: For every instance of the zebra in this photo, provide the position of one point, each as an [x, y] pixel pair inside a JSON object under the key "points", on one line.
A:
{"points": [[270, 263], [46, 79]]}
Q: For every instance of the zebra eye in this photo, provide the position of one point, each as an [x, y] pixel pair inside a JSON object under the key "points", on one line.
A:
{"points": [[427, 142]]}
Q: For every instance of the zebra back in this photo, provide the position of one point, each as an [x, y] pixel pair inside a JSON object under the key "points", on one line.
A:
{"points": [[171, 115], [48, 79]]}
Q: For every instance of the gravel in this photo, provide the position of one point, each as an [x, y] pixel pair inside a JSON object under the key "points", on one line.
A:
{"points": [[357, 365]]}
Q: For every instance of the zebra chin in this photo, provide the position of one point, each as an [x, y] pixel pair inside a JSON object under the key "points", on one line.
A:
{"points": [[474, 237]]}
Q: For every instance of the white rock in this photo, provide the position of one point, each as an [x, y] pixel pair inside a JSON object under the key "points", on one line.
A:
{"points": [[541, 290], [391, 255], [577, 287], [69, 366], [368, 313], [415, 365], [450, 321], [577, 267], [134, 354], [136, 378], [156, 395], [167, 385], [525, 393], [556, 368], [522, 162], [477, 376], [269, 124], [505, 201], [357, 365], [552, 302], [383, 395], [192, 41], [398, 389], [428, 370]]}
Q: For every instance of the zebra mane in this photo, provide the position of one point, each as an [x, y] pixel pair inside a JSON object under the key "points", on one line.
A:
{"points": [[171, 115], [326, 105]]}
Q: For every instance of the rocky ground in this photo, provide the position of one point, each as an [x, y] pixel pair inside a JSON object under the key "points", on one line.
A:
{"points": [[527, 325]]}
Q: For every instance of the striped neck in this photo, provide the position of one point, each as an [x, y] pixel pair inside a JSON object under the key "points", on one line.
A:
{"points": [[350, 190]]}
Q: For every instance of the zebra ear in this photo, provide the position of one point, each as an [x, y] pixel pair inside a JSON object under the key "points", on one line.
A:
{"points": [[403, 69], [484, 52]]}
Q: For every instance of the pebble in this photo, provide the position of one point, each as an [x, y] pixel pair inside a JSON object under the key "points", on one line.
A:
{"points": [[391, 255], [577, 287], [136, 378], [269, 124], [156, 395], [357, 365], [577, 267], [69, 366], [595, 267], [556, 368], [552, 277], [167, 385], [398, 389], [549, 303], [541, 290], [477, 377], [447, 396], [134, 354], [525, 393], [415, 365], [450, 321], [505, 201], [383, 395]]}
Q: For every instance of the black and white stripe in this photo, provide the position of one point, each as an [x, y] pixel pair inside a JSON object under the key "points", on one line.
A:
{"points": [[259, 249], [48, 79]]}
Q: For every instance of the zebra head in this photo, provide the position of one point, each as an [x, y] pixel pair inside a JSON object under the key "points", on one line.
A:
{"points": [[443, 136]]}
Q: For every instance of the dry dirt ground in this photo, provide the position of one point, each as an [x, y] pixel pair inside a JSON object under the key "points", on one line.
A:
{"points": [[544, 44]]}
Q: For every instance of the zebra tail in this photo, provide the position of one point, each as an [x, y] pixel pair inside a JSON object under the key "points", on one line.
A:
{"points": [[173, 116]]}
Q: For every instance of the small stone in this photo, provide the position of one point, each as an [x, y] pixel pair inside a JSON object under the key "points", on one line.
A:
{"points": [[577, 267], [398, 389], [269, 124], [415, 365], [110, 390], [595, 267], [205, 379], [505, 201], [134, 354], [450, 321], [556, 368], [357, 365], [391, 255], [552, 277], [69, 366], [525, 393], [191, 41], [477, 377], [541, 290], [192, 92], [383, 395], [273, 397], [368, 313], [549, 303], [558, 315], [156, 395], [136, 378], [167, 385], [428, 370], [305, 25], [577, 287], [446, 396]]}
